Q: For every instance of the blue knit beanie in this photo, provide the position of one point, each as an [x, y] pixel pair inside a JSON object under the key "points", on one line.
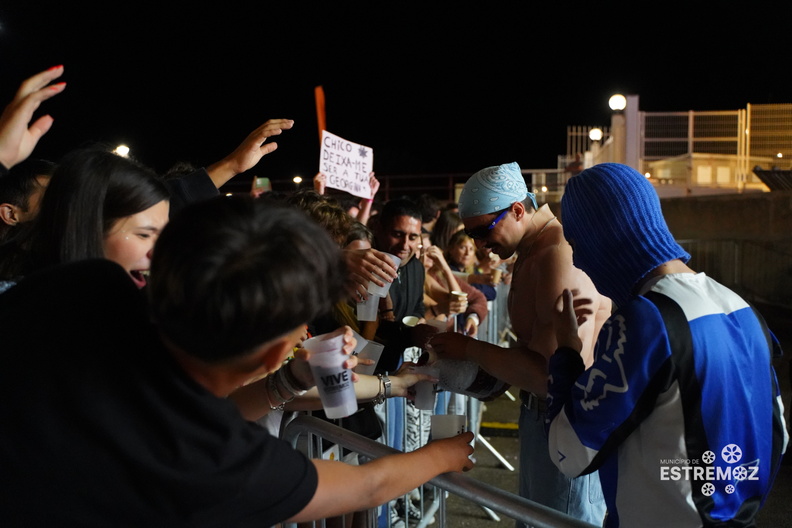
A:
{"points": [[611, 214], [493, 189]]}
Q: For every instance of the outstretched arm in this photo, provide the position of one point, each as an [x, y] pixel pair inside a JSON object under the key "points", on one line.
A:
{"points": [[344, 488], [249, 152], [18, 136], [364, 209]]}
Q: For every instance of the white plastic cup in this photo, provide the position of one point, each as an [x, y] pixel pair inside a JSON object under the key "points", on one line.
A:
{"points": [[447, 425], [425, 390], [333, 381], [361, 343], [442, 326], [382, 291], [367, 310], [410, 320], [372, 350]]}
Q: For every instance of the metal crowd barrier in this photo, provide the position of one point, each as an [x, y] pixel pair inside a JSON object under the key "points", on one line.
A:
{"points": [[395, 422], [466, 487]]}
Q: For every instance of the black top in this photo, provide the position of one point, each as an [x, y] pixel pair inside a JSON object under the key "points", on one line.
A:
{"points": [[101, 427]]}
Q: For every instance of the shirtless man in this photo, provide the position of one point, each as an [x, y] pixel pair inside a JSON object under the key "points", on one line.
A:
{"points": [[501, 215]]}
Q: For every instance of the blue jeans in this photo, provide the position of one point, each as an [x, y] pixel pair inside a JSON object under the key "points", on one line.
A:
{"points": [[542, 482]]}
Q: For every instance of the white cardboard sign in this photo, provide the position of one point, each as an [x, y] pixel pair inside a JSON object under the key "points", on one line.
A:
{"points": [[347, 166]]}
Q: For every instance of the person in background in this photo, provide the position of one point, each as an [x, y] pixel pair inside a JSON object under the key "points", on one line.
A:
{"points": [[21, 191], [447, 224], [465, 314], [430, 208], [358, 208], [683, 370], [98, 205], [143, 392], [462, 257], [503, 217]]}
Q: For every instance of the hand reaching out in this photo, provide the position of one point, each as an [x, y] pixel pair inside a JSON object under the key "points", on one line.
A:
{"points": [[320, 182], [18, 136], [568, 317], [249, 152]]}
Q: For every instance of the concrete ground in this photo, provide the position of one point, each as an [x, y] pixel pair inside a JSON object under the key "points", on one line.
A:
{"points": [[499, 429]]}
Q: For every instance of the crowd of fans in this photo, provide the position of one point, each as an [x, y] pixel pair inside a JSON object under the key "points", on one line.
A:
{"points": [[153, 335]]}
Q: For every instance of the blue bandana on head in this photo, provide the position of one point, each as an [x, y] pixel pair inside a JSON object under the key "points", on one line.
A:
{"points": [[611, 214], [493, 189]]}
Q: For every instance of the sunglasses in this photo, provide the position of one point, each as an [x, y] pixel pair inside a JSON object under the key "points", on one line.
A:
{"points": [[482, 232]]}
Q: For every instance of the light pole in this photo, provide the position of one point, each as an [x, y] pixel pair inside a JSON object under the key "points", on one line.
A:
{"points": [[297, 181], [617, 104]]}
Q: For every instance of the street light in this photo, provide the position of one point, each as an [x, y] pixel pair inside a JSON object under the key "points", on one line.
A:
{"points": [[122, 150], [595, 134], [297, 181], [617, 102]]}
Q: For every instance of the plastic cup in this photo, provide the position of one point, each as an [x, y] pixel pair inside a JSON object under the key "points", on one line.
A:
{"points": [[410, 320], [333, 381], [442, 326], [497, 273], [425, 390], [372, 350], [447, 425], [367, 310], [459, 295], [382, 291], [361, 343]]}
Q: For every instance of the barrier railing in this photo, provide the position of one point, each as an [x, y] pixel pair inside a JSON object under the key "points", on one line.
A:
{"points": [[468, 488]]}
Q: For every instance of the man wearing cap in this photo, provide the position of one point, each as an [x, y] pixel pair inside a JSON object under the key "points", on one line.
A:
{"points": [[680, 412], [501, 215]]}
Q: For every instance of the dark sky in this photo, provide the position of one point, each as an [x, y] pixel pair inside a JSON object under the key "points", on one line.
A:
{"points": [[431, 90]]}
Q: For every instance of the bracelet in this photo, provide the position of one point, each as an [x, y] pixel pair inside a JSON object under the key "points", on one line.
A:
{"points": [[270, 388], [384, 389], [290, 381], [386, 383], [386, 310]]}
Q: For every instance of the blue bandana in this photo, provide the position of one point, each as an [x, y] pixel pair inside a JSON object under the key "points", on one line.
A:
{"points": [[493, 189]]}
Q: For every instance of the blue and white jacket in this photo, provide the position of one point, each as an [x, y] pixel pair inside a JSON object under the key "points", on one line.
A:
{"points": [[681, 411]]}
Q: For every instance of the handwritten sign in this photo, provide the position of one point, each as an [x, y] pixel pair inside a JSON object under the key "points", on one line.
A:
{"points": [[347, 166]]}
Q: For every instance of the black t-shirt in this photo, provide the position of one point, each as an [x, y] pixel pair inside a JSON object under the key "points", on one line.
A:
{"points": [[101, 427]]}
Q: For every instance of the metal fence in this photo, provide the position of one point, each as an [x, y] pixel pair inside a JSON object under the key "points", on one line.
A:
{"points": [[468, 488], [306, 433]]}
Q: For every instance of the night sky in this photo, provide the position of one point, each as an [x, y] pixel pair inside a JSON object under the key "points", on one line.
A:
{"points": [[431, 90]]}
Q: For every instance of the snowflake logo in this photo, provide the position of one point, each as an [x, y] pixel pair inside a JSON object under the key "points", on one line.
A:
{"points": [[708, 489], [708, 457], [740, 473], [731, 453], [729, 489]]}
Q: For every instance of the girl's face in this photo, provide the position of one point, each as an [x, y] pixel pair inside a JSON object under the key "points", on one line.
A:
{"points": [[131, 239], [463, 254]]}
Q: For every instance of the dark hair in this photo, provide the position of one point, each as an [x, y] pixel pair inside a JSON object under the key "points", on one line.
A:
{"points": [[429, 207], [20, 182], [327, 212], [398, 207], [89, 191], [18, 185], [359, 231], [233, 272], [445, 227]]}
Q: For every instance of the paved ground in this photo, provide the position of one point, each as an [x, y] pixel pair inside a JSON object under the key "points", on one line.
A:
{"points": [[499, 425]]}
